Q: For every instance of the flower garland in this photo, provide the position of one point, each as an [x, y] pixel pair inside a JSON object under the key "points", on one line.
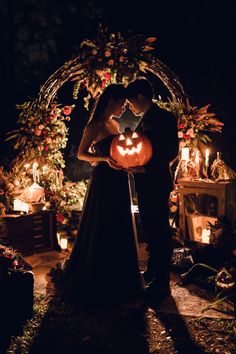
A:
{"points": [[110, 58], [62, 200], [193, 123], [43, 132], [106, 59]]}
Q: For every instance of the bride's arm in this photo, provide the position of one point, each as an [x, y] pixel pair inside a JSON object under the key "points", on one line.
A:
{"points": [[88, 137]]}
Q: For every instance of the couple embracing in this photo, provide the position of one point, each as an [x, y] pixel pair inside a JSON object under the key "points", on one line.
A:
{"points": [[103, 263]]}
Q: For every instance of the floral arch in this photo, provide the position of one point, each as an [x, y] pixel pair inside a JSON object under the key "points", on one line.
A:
{"points": [[108, 58]]}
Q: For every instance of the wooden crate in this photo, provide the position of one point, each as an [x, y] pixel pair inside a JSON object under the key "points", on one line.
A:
{"points": [[31, 233], [224, 192]]}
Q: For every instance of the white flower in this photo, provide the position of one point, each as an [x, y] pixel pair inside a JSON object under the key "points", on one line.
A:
{"points": [[180, 135]]}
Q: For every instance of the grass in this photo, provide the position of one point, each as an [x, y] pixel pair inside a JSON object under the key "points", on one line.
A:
{"points": [[58, 327]]}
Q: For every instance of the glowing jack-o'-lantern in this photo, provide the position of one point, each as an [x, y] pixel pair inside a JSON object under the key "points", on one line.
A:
{"points": [[226, 278], [131, 149]]}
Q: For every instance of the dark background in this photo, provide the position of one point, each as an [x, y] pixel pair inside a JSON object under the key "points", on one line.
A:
{"points": [[195, 39]]}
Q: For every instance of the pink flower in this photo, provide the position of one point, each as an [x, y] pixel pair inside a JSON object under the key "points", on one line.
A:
{"points": [[67, 110], [107, 53], [15, 263], [182, 144], [45, 148], [122, 59], [38, 132], [111, 62]]}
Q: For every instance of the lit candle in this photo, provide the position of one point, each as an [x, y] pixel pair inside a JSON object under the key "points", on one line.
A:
{"points": [[207, 161], [206, 235], [34, 167], [58, 237], [207, 158], [197, 160], [197, 157], [185, 153], [44, 169]]}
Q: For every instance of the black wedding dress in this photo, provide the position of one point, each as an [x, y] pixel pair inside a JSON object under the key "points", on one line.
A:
{"points": [[103, 263]]}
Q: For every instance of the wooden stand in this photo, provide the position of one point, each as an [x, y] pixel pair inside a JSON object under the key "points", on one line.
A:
{"points": [[225, 193]]}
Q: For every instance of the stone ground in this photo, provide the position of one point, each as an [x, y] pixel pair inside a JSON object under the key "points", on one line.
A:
{"points": [[190, 300]]}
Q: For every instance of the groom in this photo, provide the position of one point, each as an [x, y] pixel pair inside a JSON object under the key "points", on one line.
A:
{"points": [[153, 183]]}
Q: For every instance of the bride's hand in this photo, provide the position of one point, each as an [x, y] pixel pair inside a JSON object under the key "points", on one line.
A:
{"points": [[112, 163]]}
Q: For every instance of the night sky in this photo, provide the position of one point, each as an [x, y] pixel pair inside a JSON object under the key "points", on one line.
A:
{"points": [[195, 39]]}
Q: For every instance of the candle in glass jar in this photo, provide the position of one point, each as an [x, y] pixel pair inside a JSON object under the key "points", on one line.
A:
{"points": [[206, 235], [64, 243], [185, 153]]}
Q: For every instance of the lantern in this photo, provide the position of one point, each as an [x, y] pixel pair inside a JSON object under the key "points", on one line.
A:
{"points": [[63, 240], [131, 149], [225, 278]]}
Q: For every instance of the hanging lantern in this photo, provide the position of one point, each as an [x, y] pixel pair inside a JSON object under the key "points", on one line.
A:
{"points": [[226, 278], [131, 149]]}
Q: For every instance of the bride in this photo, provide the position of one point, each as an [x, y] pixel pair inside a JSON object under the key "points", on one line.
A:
{"points": [[103, 263]]}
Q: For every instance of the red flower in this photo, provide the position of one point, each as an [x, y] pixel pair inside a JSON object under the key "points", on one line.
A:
{"points": [[107, 76], [181, 126], [186, 137], [44, 132], [67, 110], [45, 148], [60, 218]]}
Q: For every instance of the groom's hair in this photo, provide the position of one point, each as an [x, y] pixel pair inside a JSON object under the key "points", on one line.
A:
{"points": [[140, 86]]}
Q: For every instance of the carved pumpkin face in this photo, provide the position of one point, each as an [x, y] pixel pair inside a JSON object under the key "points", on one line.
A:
{"points": [[225, 279], [131, 149]]}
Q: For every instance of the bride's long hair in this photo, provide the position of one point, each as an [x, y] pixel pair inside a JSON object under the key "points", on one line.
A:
{"points": [[115, 91]]}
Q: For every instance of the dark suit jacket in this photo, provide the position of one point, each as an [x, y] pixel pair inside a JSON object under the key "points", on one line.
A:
{"points": [[160, 126]]}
